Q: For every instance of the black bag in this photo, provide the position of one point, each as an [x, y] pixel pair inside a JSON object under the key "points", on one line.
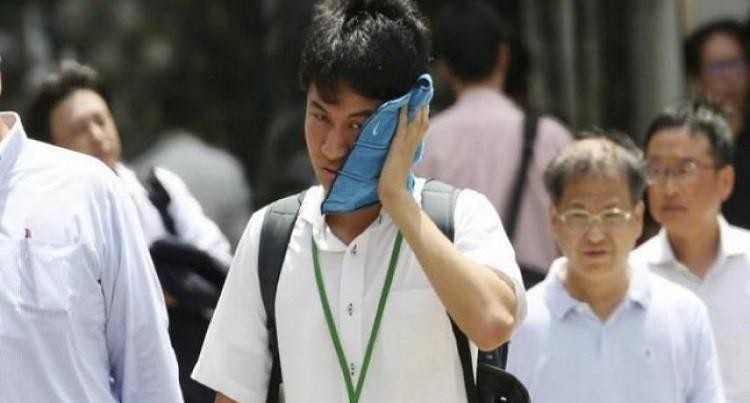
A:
{"points": [[189, 274], [493, 384], [194, 278]]}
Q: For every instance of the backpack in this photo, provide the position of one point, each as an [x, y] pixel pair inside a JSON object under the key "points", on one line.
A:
{"points": [[493, 383]]}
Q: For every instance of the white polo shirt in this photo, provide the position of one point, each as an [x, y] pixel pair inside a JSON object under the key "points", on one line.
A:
{"points": [[656, 346], [414, 359], [725, 289]]}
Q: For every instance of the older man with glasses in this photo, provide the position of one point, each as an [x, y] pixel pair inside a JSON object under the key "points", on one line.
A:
{"points": [[689, 152], [600, 328]]}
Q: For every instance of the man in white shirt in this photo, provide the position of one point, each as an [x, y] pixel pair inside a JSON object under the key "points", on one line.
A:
{"points": [[71, 110], [82, 314], [357, 55], [689, 152], [600, 328]]}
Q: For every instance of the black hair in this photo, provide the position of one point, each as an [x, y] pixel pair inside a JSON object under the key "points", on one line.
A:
{"points": [[615, 152], [68, 77], [377, 47], [693, 46], [703, 119], [468, 35]]}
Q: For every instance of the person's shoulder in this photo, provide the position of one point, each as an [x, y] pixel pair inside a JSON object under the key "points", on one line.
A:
{"points": [[649, 248], [69, 165], [740, 236], [552, 130], [676, 298], [537, 301], [169, 178]]}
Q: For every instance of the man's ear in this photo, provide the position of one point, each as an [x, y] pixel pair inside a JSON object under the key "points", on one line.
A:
{"points": [[444, 71], [503, 58], [638, 212], [726, 181], [552, 215]]}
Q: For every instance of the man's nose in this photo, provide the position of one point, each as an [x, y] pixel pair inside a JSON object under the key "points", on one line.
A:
{"points": [[338, 142], [595, 232], [97, 133]]}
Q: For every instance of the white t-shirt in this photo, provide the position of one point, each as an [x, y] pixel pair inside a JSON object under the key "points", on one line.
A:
{"points": [[414, 358], [725, 289]]}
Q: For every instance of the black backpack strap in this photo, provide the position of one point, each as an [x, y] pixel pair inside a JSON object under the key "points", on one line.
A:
{"points": [[514, 206], [278, 224], [160, 198], [439, 202]]}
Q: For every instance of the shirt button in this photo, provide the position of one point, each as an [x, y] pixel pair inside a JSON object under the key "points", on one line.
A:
{"points": [[354, 250], [350, 309], [352, 368]]}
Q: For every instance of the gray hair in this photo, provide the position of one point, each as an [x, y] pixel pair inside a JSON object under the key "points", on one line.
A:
{"points": [[597, 153]]}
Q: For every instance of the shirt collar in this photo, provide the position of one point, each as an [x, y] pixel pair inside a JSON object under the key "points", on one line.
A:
{"points": [[729, 245], [560, 302], [12, 144], [480, 94], [310, 212]]}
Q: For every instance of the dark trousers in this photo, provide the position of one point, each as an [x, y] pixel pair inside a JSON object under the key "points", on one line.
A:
{"points": [[187, 330]]}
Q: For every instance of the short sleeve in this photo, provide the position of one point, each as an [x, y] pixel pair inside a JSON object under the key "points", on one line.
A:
{"points": [[235, 359], [706, 385], [480, 235]]}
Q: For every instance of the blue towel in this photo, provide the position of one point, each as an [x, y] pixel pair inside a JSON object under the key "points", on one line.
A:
{"points": [[356, 185]]}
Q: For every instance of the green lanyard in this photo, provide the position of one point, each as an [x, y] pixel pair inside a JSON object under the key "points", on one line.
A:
{"points": [[353, 393]]}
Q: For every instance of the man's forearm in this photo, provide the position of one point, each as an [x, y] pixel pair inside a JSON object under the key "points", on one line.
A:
{"points": [[480, 299]]}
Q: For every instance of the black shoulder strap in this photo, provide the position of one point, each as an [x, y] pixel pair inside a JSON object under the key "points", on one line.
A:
{"points": [[514, 207], [278, 224], [439, 202], [160, 198]]}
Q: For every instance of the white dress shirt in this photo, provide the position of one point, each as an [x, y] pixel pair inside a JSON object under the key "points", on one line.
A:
{"points": [[656, 347], [725, 289], [82, 316], [191, 224], [414, 359]]}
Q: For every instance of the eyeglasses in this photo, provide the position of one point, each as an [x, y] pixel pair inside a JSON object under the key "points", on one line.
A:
{"points": [[682, 174], [720, 68], [579, 220]]}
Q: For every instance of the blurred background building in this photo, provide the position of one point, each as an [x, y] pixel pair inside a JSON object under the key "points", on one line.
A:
{"points": [[225, 70]]}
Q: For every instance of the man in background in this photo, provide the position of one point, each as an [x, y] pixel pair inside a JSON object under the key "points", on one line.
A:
{"points": [[601, 328], [478, 142], [83, 317], [716, 57], [71, 109], [689, 153]]}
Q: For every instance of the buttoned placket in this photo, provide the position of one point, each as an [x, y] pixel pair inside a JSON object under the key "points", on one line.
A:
{"points": [[352, 328]]}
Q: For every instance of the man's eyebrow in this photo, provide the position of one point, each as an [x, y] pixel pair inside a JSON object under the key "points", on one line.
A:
{"points": [[317, 104], [363, 113]]}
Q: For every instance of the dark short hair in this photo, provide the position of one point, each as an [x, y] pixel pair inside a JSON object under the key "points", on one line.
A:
{"points": [[377, 47], [618, 153], [65, 79], [693, 46], [467, 35], [703, 119]]}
